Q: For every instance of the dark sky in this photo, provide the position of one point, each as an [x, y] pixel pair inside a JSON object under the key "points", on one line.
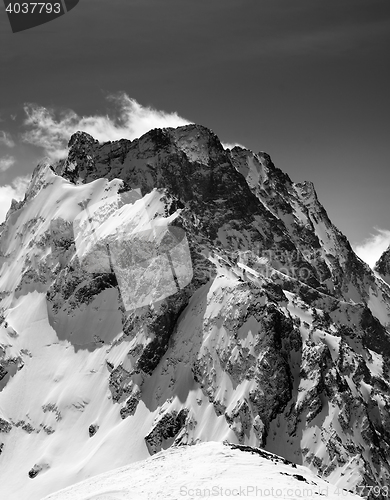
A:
{"points": [[307, 81]]}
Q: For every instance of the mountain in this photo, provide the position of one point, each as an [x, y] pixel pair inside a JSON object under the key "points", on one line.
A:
{"points": [[166, 292]]}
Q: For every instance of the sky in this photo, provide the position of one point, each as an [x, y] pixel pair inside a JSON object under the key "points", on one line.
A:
{"points": [[307, 81]]}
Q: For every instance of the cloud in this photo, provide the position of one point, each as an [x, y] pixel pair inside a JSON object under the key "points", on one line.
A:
{"points": [[6, 162], [231, 145], [52, 131], [15, 190], [6, 139], [372, 247]]}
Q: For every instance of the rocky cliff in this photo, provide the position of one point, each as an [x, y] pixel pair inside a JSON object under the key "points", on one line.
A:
{"points": [[168, 291], [382, 267]]}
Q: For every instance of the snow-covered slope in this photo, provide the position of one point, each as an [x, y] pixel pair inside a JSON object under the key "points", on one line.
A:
{"points": [[165, 291], [206, 470]]}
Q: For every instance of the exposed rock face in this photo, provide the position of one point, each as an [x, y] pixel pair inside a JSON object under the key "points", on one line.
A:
{"points": [[383, 265], [166, 427], [317, 240], [277, 337], [92, 429], [36, 469], [5, 426]]}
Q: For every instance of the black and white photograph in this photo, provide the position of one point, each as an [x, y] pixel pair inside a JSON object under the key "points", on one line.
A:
{"points": [[194, 249]]}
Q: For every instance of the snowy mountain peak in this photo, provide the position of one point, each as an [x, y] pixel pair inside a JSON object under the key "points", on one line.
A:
{"points": [[164, 292], [79, 138]]}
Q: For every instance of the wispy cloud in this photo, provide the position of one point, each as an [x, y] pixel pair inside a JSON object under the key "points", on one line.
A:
{"points": [[52, 131], [6, 139], [15, 190], [231, 145], [372, 247], [6, 162]]}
